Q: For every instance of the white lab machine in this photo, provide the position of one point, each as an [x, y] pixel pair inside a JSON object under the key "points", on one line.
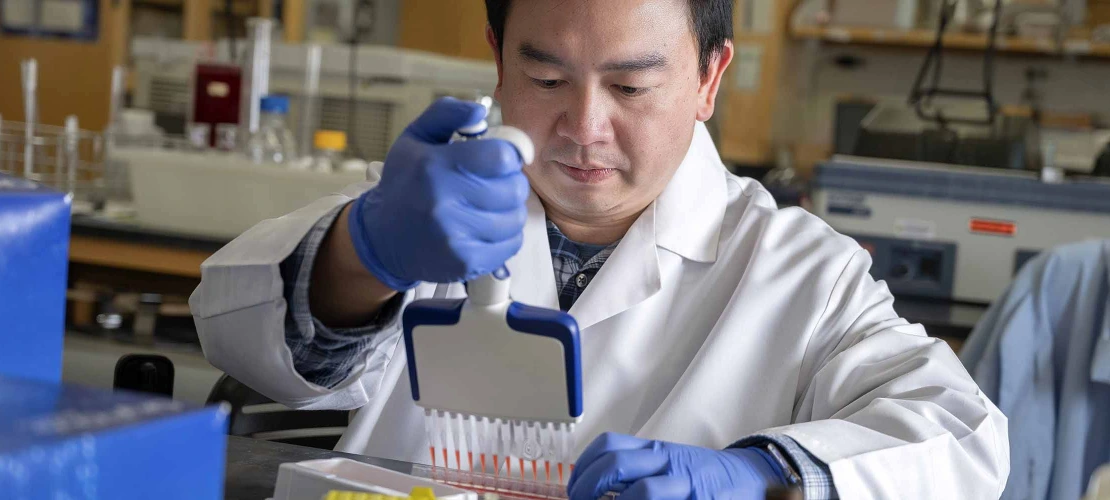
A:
{"points": [[954, 232], [218, 194], [393, 85]]}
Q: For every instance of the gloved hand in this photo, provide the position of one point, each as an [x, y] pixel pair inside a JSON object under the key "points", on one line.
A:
{"points": [[442, 212], [643, 469]]}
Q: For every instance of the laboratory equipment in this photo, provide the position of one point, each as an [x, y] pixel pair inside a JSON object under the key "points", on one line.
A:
{"points": [[314, 479], [68, 441], [394, 86], [136, 128], [227, 136], [954, 232], [215, 97], [310, 98], [896, 132], [329, 151], [199, 135], [219, 194], [34, 250], [256, 79], [497, 379], [29, 73], [272, 142]]}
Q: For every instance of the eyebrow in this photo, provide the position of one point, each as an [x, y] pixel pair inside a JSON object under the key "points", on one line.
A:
{"points": [[646, 62]]}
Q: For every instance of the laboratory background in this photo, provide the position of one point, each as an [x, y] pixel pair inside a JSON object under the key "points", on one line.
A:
{"points": [[965, 144]]}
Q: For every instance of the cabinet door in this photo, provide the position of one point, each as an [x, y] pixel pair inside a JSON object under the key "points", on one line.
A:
{"points": [[74, 76], [455, 28]]}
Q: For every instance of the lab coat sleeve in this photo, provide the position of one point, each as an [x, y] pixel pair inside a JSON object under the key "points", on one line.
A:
{"points": [[892, 412], [240, 313], [322, 355]]}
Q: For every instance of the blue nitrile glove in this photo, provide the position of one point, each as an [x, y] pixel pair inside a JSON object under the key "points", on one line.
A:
{"points": [[442, 212], [643, 469]]}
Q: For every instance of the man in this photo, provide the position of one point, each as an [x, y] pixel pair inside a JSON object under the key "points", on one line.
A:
{"points": [[743, 346]]}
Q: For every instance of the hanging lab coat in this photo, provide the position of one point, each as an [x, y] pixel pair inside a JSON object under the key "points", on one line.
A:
{"points": [[716, 317], [1042, 352]]}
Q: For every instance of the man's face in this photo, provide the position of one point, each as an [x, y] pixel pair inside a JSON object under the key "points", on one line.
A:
{"points": [[609, 92]]}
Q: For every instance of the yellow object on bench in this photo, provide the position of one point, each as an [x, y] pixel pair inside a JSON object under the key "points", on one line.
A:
{"points": [[417, 493]]}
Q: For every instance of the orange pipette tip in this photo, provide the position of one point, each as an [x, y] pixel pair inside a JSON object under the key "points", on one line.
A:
{"points": [[483, 457], [560, 472], [446, 463], [470, 459], [508, 467], [458, 458], [535, 475], [547, 469], [432, 451], [521, 468], [496, 465]]}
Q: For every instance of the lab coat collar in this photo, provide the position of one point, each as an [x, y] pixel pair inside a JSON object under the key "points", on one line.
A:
{"points": [[533, 278], [690, 210], [685, 219]]}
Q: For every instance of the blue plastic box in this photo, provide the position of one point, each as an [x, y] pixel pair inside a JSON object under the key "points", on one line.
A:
{"points": [[34, 249], [65, 441]]}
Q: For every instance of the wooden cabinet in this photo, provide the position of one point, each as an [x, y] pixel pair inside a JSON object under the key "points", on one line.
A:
{"points": [[74, 76], [455, 28]]}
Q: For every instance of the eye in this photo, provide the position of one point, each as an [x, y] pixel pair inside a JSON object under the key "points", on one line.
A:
{"points": [[546, 84], [630, 91]]}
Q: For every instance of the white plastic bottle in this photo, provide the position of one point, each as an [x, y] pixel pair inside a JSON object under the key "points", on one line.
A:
{"points": [[273, 142]]}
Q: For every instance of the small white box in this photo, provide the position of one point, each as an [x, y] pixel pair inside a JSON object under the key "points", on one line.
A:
{"points": [[312, 479]]}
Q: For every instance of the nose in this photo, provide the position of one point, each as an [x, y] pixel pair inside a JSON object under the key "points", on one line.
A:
{"points": [[585, 119]]}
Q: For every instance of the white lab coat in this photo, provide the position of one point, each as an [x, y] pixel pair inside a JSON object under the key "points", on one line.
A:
{"points": [[716, 317]]}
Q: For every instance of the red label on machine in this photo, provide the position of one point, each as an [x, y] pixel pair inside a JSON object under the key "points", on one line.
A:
{"points": [[993, 227]]}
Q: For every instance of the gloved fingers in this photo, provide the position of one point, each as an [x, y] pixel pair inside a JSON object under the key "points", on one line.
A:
{"points": [[491, 227], [501, 194], [485, 158], [659, 488], [443, 117], [614, 471], [493, 256], [744, 492], [606, 442]]}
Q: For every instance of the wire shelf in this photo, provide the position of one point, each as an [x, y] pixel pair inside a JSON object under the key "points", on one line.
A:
{"points": [[77, 162]]}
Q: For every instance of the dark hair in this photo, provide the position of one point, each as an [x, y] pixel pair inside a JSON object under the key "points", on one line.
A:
{"points": [[711, 21]]}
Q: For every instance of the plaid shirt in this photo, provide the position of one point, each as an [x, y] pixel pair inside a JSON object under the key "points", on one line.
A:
{"points": [[575, 264], [326, 356]]}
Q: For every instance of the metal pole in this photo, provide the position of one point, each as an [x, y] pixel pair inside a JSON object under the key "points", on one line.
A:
{"points": [[257, 79], [308, 101], [30, 87], [72, 136], [119, 76]]}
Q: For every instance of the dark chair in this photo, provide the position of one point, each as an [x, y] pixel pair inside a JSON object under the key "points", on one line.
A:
{"points": [[148, 373], [256, 416]]}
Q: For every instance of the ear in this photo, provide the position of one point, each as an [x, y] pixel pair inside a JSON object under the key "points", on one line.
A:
{"points": [[496, 48], [711, 81]]}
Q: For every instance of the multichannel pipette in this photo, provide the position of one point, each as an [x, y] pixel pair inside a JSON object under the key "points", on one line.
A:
{"points": [[499, 381]]}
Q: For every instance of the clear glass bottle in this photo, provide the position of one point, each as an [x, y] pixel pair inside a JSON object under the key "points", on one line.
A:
{"points": [[273, 142], [329, 146]]}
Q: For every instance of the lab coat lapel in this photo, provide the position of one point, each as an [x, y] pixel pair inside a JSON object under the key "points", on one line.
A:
{"points": [[628, 277], [685, 219], [533, 278]]}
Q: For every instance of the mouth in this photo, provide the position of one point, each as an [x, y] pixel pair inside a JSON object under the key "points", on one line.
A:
{"points": [[586, 175]]}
